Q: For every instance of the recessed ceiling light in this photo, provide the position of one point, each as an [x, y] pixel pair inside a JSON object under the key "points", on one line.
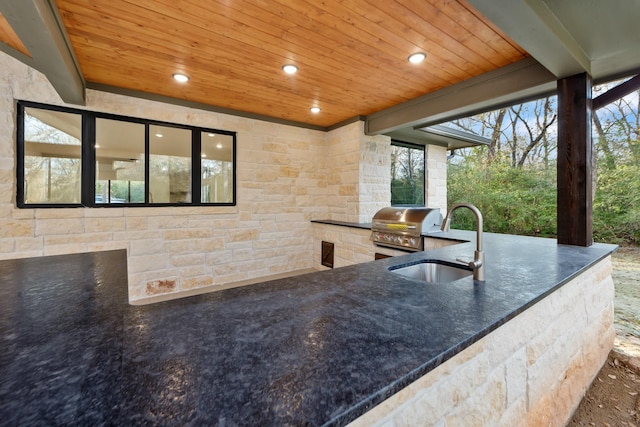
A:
{"points": [[97, 146], [159, 135], [203, 155], [417, 58], [314, 110], [182, 78], [218, 145], [290, 69], [211, 134]]}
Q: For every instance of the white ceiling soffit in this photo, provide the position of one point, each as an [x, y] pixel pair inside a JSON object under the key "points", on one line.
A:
{"points": [[571, 37], [38, 25]]}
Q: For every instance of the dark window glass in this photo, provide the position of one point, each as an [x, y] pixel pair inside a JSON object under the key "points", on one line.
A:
{"points": [[69, 157], [119, 162], [169, 165], [216, 159], [52, 157], [407, 174]]}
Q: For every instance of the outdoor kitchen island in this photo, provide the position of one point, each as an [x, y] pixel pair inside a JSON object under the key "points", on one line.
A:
{"points": [[354, 344]]}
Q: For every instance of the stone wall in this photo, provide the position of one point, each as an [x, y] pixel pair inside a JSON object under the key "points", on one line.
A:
{"points": [[436, 178], [354, 246], [286, 176], [280, 187], [532, 371]]}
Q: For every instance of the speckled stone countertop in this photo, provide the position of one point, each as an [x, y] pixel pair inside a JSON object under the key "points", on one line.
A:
{"points": [[315, 349]]}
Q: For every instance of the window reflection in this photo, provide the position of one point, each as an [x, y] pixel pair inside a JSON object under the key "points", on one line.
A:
{"points": [[52, 153], [119, 162], [216, 168], [169, 165]]}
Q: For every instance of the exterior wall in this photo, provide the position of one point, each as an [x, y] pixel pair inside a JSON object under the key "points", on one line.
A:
{"points": [[342, 172], [436, 178], [354, 246], [286, 176], [358, 170], [375, 175], [532, 371], [280, 189]]}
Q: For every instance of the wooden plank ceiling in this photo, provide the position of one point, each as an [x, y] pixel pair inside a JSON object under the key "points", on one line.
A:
{"points": [[352, 56]]}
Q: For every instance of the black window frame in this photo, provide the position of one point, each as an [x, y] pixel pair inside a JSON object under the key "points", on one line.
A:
{"points": [[88, 159], [422, 148]]}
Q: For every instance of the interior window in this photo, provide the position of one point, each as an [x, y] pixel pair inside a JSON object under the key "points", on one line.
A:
{"points": [[169, 165], [52, 157], [69, 157], [119, 162], [216, 168]]}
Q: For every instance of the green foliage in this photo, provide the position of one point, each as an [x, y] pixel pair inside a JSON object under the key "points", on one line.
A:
{"points": [[512, 200], [407, 191], [616, 208], [523, 201]]}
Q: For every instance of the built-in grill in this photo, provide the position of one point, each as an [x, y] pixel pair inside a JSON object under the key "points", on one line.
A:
{"points": [[400, 228]]}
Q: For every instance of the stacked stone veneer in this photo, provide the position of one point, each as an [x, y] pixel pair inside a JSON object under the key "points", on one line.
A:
{"points": [[532, 371], [354, 246], [280, 187], [286, 176]]}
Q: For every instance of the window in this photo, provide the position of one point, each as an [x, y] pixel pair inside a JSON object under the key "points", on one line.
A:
{"points": [[407, 174], [70, 157], [169, 165], [120, 162], [52, 157]]}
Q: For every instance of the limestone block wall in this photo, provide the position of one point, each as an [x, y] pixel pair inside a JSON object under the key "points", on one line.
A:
{"points": [[286, 176], [375, 175], [354, 246], [280, 188], [532, 371], [358, 170], [436, 178]]}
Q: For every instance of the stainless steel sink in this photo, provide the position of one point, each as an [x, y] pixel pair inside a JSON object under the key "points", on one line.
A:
{"points": [[433, 271]]}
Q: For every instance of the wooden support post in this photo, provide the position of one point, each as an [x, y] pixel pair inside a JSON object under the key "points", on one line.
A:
{"points": [[575, 187]]}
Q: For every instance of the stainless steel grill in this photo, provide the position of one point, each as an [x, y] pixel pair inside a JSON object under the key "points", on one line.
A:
{"points": [[401, 228]]}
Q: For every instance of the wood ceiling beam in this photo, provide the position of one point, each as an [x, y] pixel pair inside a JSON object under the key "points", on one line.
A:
{"points": [[522, 80], [532, 25], [617, 92], [39, 27]]}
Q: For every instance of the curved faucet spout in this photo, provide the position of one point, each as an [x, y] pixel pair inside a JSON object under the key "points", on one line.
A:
{"points": [[478, 257]]}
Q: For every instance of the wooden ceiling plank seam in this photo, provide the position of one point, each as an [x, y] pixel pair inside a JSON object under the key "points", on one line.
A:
{"points": [[439, 43], [472, 10], [95, 44], [438, 40], [471, 31], [276, 96], [363, 58], [194, 34], [462, 12], [383, 84], [200, 106], [395, 46], [161, 45]]}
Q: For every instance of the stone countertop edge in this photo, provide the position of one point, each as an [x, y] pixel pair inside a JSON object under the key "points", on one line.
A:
{"points": [[318, 349], [462, 236]]}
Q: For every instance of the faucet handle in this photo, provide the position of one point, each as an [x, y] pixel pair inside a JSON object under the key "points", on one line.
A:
{"points": [[474, 264]]}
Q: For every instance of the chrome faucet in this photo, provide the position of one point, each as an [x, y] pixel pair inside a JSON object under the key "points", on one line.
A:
{"points": [[477, 265]]}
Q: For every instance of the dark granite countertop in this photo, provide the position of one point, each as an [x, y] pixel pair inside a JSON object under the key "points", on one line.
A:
{"points": [[315, 349], [363, 225]]}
